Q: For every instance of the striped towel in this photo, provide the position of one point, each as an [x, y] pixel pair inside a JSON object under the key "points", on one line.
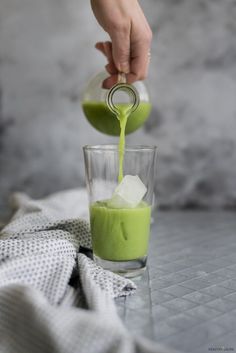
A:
{"points": [[53, 298]]}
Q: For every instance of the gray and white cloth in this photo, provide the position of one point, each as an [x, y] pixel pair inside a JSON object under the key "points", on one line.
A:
{"points": [[53, 298]]}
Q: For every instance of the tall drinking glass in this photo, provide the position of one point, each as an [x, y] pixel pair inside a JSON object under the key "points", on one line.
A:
{"points": [[120, 235]]}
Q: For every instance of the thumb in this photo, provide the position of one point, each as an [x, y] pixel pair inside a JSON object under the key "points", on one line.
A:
{"points": [[121, 51]]}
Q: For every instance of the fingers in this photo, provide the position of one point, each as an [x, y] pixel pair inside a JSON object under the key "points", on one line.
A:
{"points": [[140, 52], [139, 63], [133, 61], [106, 49], [121, 49], [100, 46], [111, 69], [110, 81]]}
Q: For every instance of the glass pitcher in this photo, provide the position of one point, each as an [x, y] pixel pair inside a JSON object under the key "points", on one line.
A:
{"points": [[102, 118]]}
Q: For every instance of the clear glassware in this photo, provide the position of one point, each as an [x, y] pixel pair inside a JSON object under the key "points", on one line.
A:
{"points": [[101, 118], [120, 236]]}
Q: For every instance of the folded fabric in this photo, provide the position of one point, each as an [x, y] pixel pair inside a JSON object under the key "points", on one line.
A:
{"points": [[46, 283]]}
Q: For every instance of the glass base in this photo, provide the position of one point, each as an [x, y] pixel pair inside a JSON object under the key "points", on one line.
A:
{"points": [[129, 269]]}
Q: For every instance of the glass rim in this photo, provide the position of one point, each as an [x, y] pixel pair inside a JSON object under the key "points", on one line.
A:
{"points": [[115, 147]]}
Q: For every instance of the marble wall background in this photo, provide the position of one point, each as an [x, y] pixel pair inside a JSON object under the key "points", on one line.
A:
{"points": [[46, 58]]}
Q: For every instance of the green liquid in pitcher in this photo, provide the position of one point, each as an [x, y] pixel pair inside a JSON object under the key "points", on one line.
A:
{"points": [[100, 116], [120, 234]]}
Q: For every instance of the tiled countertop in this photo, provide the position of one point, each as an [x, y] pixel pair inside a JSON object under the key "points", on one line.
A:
{"points": [[187, 298]]}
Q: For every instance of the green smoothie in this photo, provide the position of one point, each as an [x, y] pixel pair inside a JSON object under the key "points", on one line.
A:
{"points": [[120, 234], [100, 116]]}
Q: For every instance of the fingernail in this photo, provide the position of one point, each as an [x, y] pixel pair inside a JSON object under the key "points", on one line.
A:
{"points": [[124, 67]]}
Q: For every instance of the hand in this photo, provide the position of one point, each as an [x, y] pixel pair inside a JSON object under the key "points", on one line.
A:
{"points": [[130, 35]]}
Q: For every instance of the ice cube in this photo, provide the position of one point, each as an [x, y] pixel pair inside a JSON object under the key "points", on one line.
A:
{"points": [[128, 193]]}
